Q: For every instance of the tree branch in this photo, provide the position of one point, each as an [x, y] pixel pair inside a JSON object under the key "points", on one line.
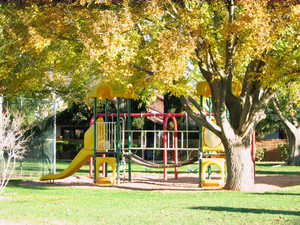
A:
{"points": [[200, 119], [143, 70], [287, 123]]}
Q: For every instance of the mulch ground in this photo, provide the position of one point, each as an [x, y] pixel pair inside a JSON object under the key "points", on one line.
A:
{"points": [[185, 182]]}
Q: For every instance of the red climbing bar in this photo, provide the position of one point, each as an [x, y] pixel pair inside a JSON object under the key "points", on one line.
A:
{"points": [[175, 147]]}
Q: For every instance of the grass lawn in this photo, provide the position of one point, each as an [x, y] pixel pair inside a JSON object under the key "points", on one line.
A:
{"points": [[65, 205], [41, 205]]}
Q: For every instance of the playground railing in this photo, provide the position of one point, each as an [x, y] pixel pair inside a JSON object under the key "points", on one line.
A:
{"points": [[155, 140]]}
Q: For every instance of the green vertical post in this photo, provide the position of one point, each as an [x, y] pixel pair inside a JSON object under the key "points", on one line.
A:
{"points": [[106, 120], [200, 152], [210, 117], [129, 128], [106, 111], [95, 138], [118, 142], [210, 108]]}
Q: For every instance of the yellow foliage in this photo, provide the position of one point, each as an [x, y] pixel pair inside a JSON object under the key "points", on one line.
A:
{"points": [[148, 44]]}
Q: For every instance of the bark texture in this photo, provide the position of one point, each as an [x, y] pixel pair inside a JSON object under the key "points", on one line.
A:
{"points": [[240, 167], [294, 146]]}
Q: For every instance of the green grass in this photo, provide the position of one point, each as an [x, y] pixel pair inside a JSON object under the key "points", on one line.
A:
{"points": [[58, 205], [277, 168], [65, 205]]}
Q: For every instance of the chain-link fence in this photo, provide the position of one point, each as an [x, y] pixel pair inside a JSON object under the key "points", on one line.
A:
{"points": [[40, 122]]}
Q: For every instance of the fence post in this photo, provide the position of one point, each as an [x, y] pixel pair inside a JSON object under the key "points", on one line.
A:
{"points": [[118, 147], [129, 127]]}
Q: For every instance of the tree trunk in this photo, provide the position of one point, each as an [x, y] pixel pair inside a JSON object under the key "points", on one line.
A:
{"points": [[294, 146], [240, 167], [293, 134]]}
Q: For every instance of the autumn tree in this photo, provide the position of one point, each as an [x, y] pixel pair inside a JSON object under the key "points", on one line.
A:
{"points": [[145, 48], [146, 45], [40, 53]]}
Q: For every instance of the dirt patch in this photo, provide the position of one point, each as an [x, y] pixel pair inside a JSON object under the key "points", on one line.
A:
{"points": [[154, 182]]}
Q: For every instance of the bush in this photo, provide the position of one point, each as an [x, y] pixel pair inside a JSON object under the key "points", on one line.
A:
{"points": [[284, 152], [260, 154], [12, 145], [138, 122]]}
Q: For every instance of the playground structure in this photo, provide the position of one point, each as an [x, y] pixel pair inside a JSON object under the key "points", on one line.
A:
{"points": [[164, 140], [112, 142]]}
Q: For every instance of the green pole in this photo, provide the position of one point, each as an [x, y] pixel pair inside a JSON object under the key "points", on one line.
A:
{"points": [[95, 138], [210, 108], [106, 120], [106, 111], [129, 127], [200, 152], [118, 143], [210, 117]]}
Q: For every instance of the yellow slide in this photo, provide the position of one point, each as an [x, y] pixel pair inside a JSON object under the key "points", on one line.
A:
{"points": [[84, 153], [76, 163]]}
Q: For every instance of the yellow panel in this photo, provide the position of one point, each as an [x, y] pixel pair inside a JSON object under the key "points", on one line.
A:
{"points": [[89, 136], [211, 142], [203, 89], [112, 90], [106, 181], [220, 163], [210, 139]]}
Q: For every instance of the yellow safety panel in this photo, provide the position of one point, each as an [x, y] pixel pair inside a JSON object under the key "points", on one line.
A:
{"points": [[211, 142], [89, 136], [218, 162], [106, 181]]}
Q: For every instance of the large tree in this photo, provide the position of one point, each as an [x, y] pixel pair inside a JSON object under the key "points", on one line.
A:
{"points": [[147, 45]]}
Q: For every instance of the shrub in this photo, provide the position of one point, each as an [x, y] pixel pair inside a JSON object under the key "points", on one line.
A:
{"points": [[260, 154], [284, 151], [138, 122], [12, 145]]}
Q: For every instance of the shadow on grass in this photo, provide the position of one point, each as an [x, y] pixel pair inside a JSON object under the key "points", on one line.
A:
{"points": [[25, 185], [277, 193], [247, 210], [278, 172]]}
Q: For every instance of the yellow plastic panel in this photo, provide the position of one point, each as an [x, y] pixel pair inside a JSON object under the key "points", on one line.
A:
{"points": [[211, 142], [218, 162], [106, 181]]}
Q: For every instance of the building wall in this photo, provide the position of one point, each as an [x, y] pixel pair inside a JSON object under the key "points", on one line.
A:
{"points": [[271, 146]]}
